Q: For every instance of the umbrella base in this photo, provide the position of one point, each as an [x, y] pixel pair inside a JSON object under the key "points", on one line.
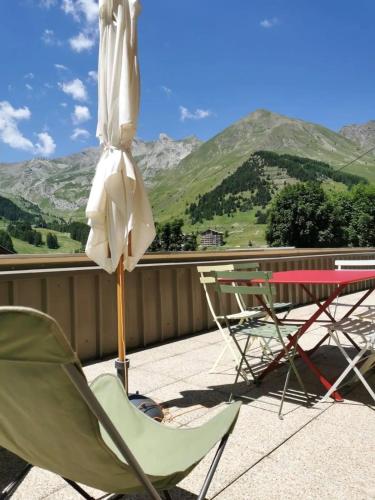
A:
{"points": [[143, 403]]}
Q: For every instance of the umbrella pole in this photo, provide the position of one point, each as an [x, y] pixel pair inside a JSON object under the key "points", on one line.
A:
{"points": [[122, 363]]}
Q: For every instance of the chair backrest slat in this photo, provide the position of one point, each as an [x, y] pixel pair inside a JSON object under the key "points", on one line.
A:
{"points": [[244, 276], [208, 278], [247, 290], [245, 265]]}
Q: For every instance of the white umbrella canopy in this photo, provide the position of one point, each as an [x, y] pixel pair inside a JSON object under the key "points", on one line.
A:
{"points": [[118, 205]]}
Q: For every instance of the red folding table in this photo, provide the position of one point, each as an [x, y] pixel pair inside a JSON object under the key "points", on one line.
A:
{"points": [[303, 278]]}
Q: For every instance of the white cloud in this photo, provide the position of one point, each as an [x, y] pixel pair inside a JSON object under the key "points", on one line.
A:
{"points": [[49, 38], [46, 4], [167, 90], [46, 145], [81, 42], [269, 23], [29, 76], [13, 137], [28, 86], [9, 131], [61, 66], [198, 114], [80, 134], [84, 12], [81, 114], [63, 104], [75, 88], [86, 9], [93, 76]]}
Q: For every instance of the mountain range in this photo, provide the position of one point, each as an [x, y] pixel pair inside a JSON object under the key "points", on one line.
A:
{"points": [[178, 171]]}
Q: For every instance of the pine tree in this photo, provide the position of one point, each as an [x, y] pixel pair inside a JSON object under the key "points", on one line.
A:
{"points": [[6, 241], [52, 241]]}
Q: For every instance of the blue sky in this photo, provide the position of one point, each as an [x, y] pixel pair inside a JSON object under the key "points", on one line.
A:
{"points": [[204, 64]]}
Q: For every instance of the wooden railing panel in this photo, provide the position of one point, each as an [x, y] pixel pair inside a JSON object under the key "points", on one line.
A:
{"points": [[163, 300]]}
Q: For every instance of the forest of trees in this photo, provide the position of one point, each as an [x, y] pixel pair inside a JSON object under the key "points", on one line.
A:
{"points": [[249, 187], [12, 212], [241, 191], [23, 231], [6, 241], [304, 215], [170, 238]]}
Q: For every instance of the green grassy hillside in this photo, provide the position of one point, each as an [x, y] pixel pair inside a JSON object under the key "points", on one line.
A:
{"points": [[219, 157]]}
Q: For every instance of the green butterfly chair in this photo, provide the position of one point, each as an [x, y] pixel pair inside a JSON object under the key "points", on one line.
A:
{"points": [[51, 418]]}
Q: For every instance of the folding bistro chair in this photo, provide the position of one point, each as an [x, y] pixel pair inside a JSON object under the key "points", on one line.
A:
{"points": [[208, 281], [259, 328], [277, 306], [349, 265], [364, 333], [52, 418]]}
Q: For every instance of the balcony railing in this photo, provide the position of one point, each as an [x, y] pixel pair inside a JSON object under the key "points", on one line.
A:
{"points": [[164, 299]]}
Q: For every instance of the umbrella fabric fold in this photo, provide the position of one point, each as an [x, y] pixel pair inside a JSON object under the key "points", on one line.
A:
{"points": [[118, 204]]}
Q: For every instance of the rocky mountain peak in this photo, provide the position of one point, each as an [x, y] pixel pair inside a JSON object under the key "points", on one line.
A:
{"points": [[163, 138], [362, 134]]}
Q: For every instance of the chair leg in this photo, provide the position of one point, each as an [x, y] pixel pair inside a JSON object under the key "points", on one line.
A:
{"points": [[80, 490], [286, 384], [219, 358], [213, 468], [243, 360], [11, 488], [228, 345], [351, 366]]}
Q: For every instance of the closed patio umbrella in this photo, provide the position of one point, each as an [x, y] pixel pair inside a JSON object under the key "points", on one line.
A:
{"points": [[118, 209]]}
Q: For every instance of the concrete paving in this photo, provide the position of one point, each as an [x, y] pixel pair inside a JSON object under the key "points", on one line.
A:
{"points": [[321, 452]]}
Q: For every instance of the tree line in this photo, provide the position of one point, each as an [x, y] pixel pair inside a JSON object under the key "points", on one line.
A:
{"points": [[304, 215], [170, 238], [250, 187]]}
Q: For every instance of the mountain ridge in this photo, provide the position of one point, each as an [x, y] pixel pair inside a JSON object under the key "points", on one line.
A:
{"points": [[217, 158], [177, 171]]}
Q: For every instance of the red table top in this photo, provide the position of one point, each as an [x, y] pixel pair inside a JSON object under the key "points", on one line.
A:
{"points": [[321, 277]]}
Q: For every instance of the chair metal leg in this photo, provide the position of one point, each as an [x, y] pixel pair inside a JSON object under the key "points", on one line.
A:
{"points": [[80, 490], [228, 346], [214, 366], [286, 384], [352, 365], [11, 488], [213, 468], [291, 357], [242, 360]]}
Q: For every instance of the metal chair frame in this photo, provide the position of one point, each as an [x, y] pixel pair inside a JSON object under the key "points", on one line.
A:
{"points": [[80, 384], [207, 279], [365, 332], [242, 285]]}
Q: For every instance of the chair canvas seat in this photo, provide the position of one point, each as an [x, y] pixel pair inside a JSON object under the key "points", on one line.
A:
{"points": [[51, 418]]}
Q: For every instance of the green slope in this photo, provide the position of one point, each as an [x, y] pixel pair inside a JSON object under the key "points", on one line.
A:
{"points": [[222, 155]]}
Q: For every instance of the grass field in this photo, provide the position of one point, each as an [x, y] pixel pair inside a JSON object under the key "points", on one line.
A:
{"points": [[67, 245], [241, 230]]}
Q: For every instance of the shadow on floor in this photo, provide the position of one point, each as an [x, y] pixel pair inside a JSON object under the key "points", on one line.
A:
{"points": [[328, 360]]}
